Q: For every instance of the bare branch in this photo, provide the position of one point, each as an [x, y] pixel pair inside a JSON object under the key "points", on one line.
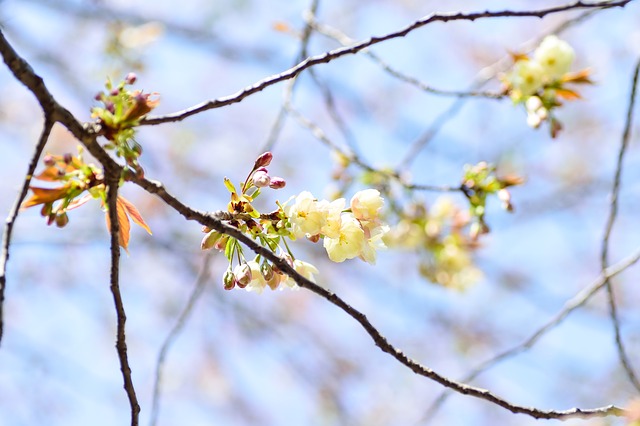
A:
{"points": [[276, 128], [613, 212], [13, 214], [319, 134], [353, 49], [23, 72], [173, 334], [121, 317], [345, 40], [571, 305]]}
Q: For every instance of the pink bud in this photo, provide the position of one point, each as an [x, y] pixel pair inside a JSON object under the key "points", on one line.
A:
{"points": [[48, 160], [229, 280], [261, 179], [243, 275], [277, 183], [114, 92], [264, 160], [130, 78]]}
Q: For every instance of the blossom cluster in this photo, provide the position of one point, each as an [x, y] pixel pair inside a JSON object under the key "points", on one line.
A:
{"points": [[347, 231], [539, 82], [346, 234], [440, 237], [120, 113]]}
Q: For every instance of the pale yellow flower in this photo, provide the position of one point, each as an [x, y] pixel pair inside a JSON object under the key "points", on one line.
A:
{"points": [[350, 241], [366, 204], [555, 56], [333, 211], [305, 269], [373, 241], [526, 78], [306, 216]]}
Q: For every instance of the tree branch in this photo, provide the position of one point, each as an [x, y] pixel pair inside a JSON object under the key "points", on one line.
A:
{"points": [[355, 48], [121, 317], [571, 305], [177, 328], [13, 214], [613, 212]]}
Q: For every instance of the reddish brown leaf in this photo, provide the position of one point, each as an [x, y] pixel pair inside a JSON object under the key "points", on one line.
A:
{"points": [[567, 94], [517, 56], [135, 215], [50, 174], [578, 77], [142, 104], [123, 222], [45, 195]]}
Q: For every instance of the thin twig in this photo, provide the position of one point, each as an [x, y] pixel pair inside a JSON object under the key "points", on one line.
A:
{"points": [[353, 49], [319, 134], [276, 128], [201, 280], [571, 305], [13, 214], [345, 40], [613, 212], [121, 317]]}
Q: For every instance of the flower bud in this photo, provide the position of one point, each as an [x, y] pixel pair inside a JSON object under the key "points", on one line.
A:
{"points": [[62, 220], [114, 92], [505, 197], [261, 179], [98, 96], [229, 280], [277, 183], [221, 243], [264, 160], [210, 240], [130, 78], [267, 271], [48, 160], [110, 107], [243, 275], [68, 158], [46, 209]]}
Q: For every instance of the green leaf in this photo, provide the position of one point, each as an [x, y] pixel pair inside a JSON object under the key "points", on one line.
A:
{"points": [[230, 248], [229, 185]]}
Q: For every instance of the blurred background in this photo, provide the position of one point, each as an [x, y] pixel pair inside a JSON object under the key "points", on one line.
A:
{"points": [[291, 358]]}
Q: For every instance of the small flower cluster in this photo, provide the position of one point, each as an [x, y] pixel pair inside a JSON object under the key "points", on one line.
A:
{"points": [[81, 182], [75, 176], [540, 82], [122, 110], [440, 235], [347, 233], [480, 181], [255, 276]]}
